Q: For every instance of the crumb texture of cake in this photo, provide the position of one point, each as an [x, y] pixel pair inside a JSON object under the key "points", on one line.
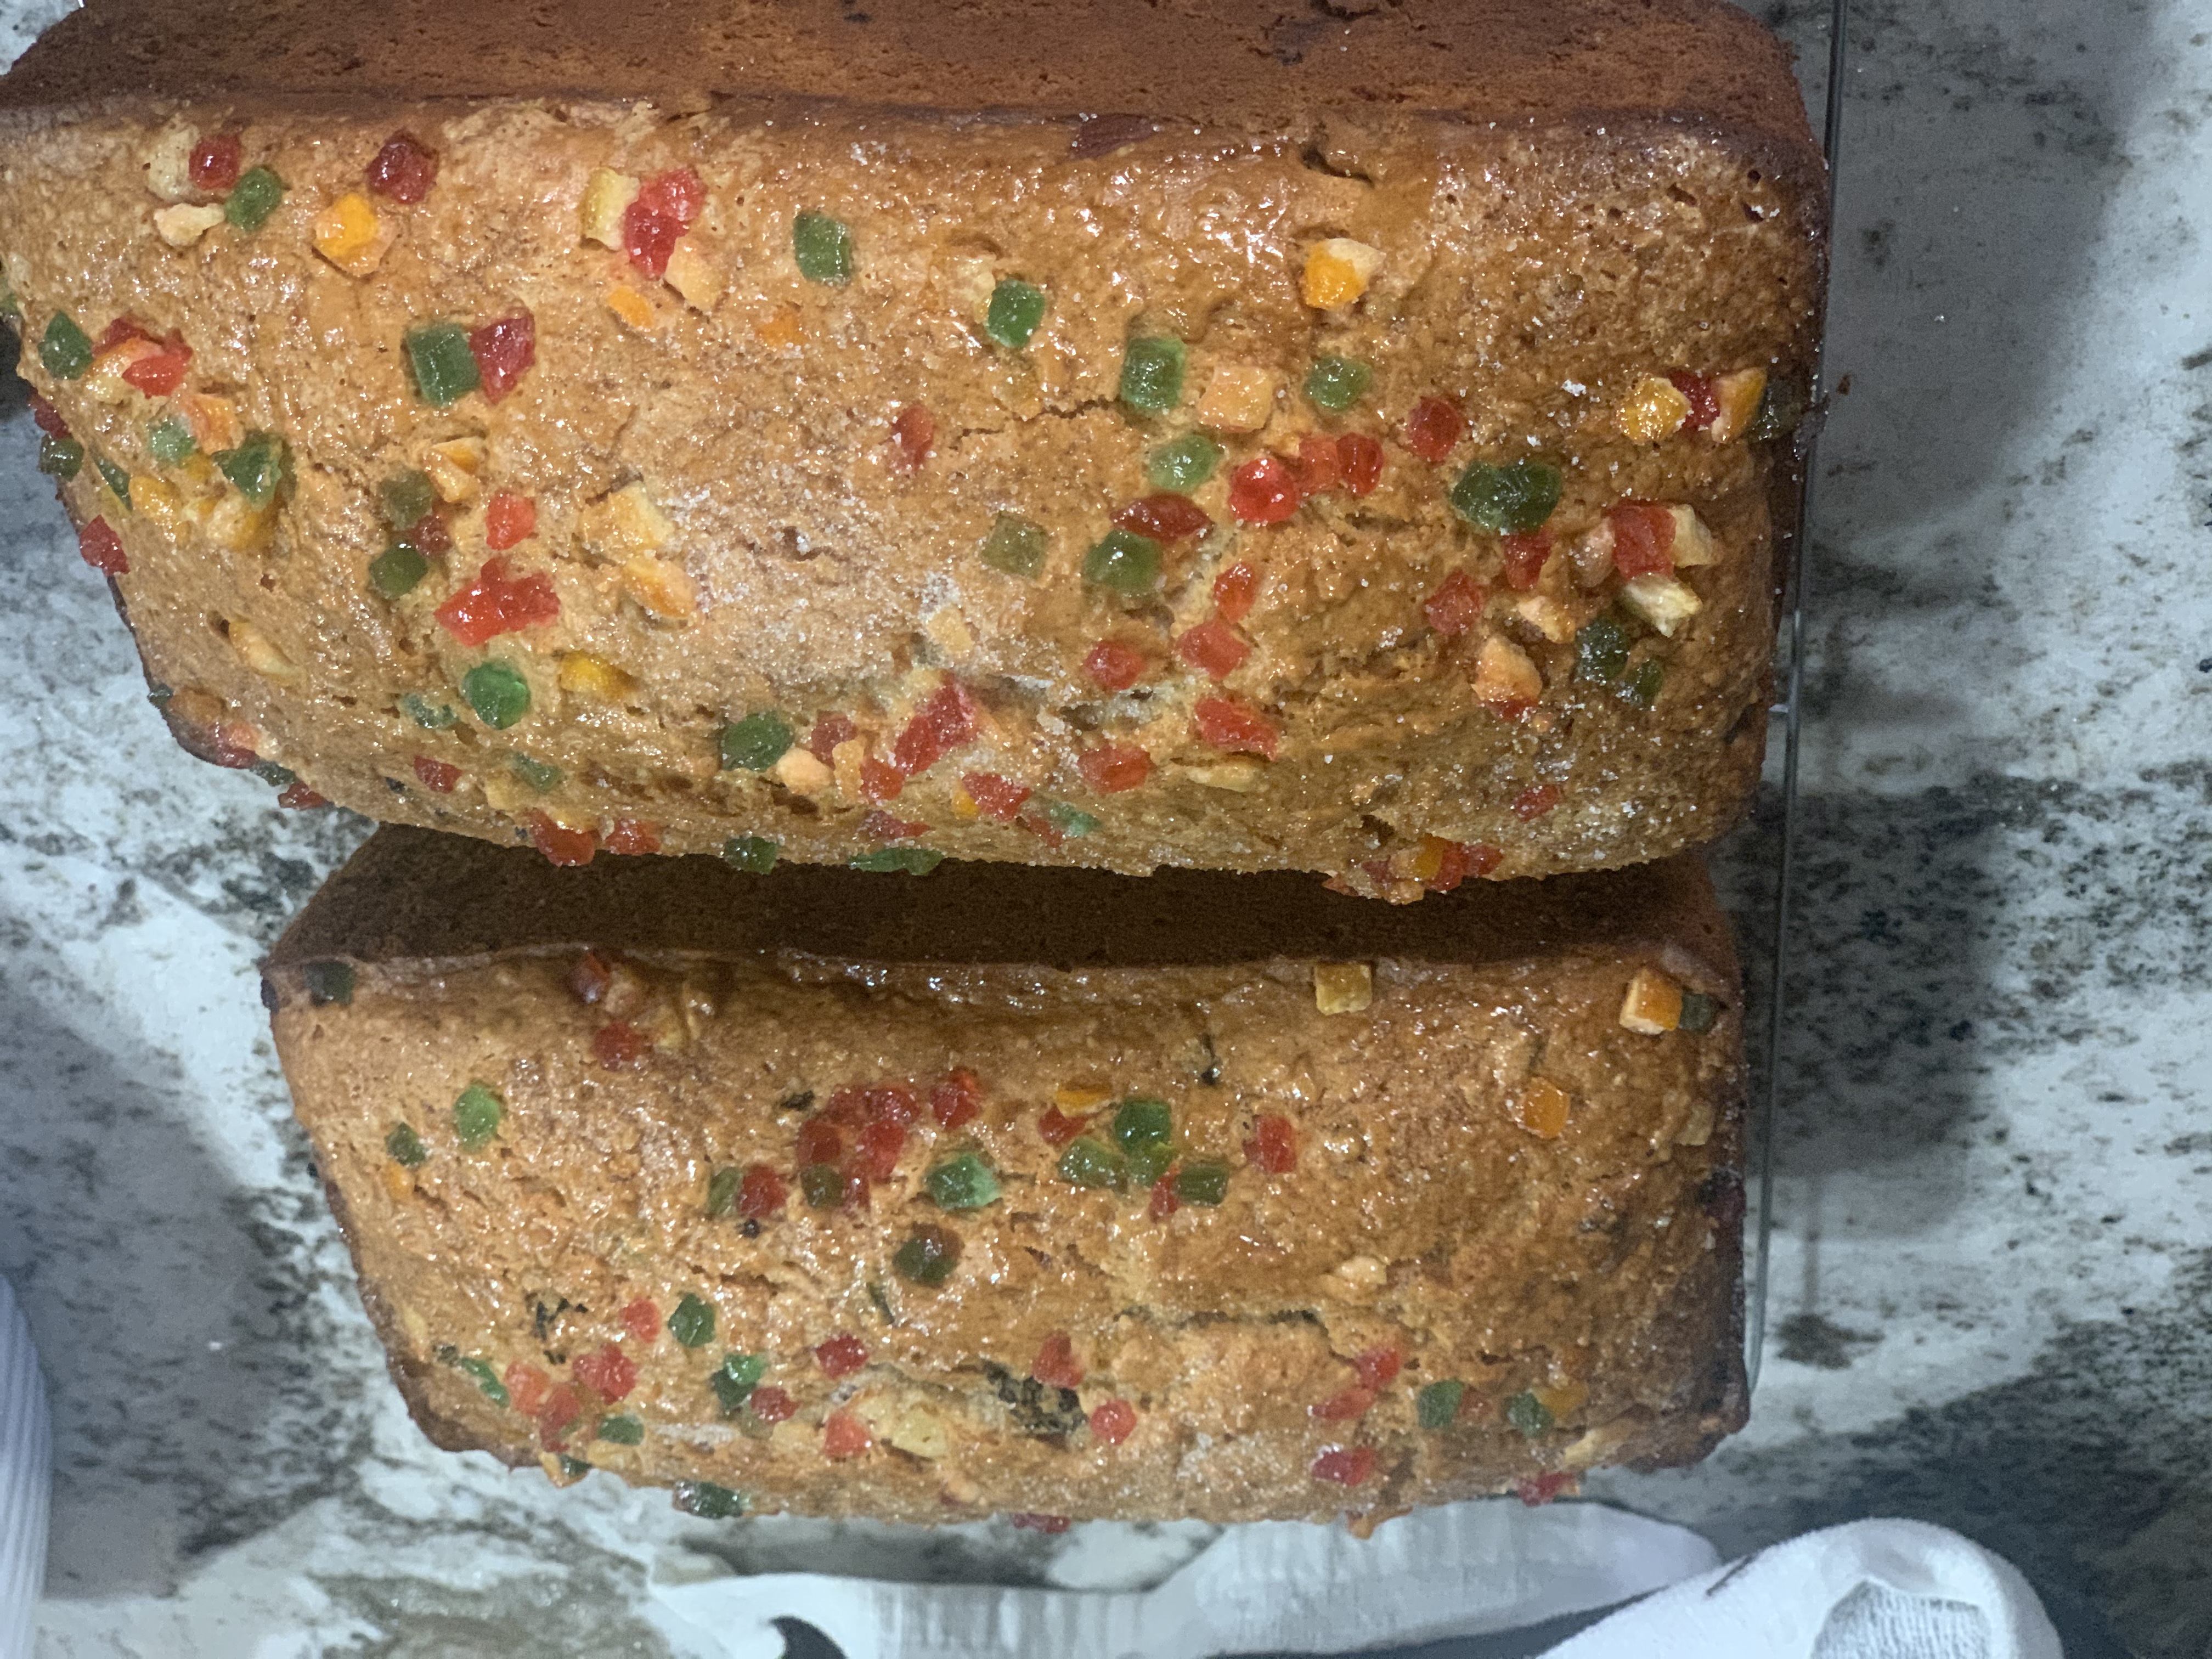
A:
{"points": [[1028, 1191], [1180, 436]]}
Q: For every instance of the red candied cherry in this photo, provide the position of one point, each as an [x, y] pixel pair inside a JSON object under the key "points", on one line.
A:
{"points": [[880, 1146], [608, 1372], [997, 799], [879, 825], [1526, 553], [771, 1404], [1456, 605], [632, 838], [1378, 1367], [525, 1387], [957, 1099], [1461, 860], [1113, 1420], [99, 546], [830, 730], [1643, 539], [819, 1143], [1234, 729], [298, 797], [880, 780], [1703, 397], [49, 418], [1320, 464], [215, 161], [1360, 459], [403, 170], [945, 722], [505, 351], [678, 194], [1056, 1365], [1264, 490], [508, 518], [1114, 665], [436, 775], [561, 1409], [840, 1356], [1538, 1489], [1057, 1127], [1111, 768], [567, 847], [1234, 590], [1164, 1202], [158, 374], [641, 1319], [496, 603], [913, 434], [619, 1046], [1212, 649], [1532, 803], [1273, 1147], [1343, 1404], [761, 1194], [589, 979], [1347, 1466], [1434, 428], [1165, 518]]}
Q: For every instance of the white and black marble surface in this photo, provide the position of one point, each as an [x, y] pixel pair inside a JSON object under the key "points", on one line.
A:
{"points": [[1992, 1290]]}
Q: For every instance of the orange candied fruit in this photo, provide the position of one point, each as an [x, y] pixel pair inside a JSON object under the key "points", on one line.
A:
{"points": [[632, 837], [567, 847], [525, 1387], [1321, 467], [508, 518], [845, 1436], [561, 1409], [1234, 590]]}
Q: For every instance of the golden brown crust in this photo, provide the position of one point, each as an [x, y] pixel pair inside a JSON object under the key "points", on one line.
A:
{"points": [[1431, 1209], [1537, 273]]}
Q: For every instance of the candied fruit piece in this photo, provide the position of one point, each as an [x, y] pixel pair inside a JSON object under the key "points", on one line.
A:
{"points": [[1165, 518], [1112, 768], [505, 351], [840, 1356], [1234, 729], [404, 169], [1456, 607], [1055, 1364], [1264, 490], [1212, 649]]}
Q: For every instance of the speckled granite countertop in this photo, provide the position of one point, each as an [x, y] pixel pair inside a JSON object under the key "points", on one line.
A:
{"points": [[1992, 1301]]}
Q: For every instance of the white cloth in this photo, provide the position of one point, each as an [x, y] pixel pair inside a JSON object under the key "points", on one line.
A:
{"points": [[26, 1478], [1871, 1589], [1467, 1570]]}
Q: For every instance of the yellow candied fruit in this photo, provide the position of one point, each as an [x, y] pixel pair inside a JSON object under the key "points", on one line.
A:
{"points": [[1653, 409], [236, 527], [1504, 675], [397, 1183], [1563, 1400], [183, 223], [1239, 397], [582, 675], [1343, 988], [1082, 1094], [351, 234], [661, 586], [1738, 395], [1542, 1109], [607, 197], [694, 272], [949, 631], [169, 163], [780, 330], [213, 421], [1653, 1006], [453, 467], [1239, 775], [1338, 273], [630, 522], [106, 381], [964, 805], [259, 652], [798, 771], [156, 500], [632, 307], [1429, 862], [1693, 543], [1663, 601]]}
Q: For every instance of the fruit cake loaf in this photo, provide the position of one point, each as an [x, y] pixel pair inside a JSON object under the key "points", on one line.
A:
{"points": [[1043, 1191], [1193, 433]]}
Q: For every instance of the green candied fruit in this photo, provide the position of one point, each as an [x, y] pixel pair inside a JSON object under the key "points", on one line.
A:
{"points": [[169, 440], [1148, 1164], [394, 572], [64, 350], [692, 1324], [1643, 687], [1512, 500], [405, 1148], [1601, 651], [405, 499], [735, 1379], [261, 468], [117, 480], [1437, 1406], [430, 716], [1016, 546], [487, 1379], [1205, 1181], [329, 982], [708, 1501], [754, 854], [276, 776], [1016, 309], [477, 1113], [573, 1469], [1071, 820], [254, 198], [1781, 407], [444, 368], [622, 1431], [1699, 1012], [540, 775], [1141, 1120], [1183, 464], [1530, 1415], [927, 1257], [1125, 561], [1088, 1163], [822, 247], [898, 861], [1337, 383], [722, 1189], [1152, 373], [821, 1186], [498, 694], [60, 458], [755, 742], [962, 1181]]}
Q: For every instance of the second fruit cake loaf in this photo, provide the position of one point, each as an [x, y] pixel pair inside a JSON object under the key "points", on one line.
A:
{"points": [[1170, 434], [1046, 1192]]}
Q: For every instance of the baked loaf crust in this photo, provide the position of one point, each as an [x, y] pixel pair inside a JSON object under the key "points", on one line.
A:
{"points": [[1474, 1233], [828, 520]]}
